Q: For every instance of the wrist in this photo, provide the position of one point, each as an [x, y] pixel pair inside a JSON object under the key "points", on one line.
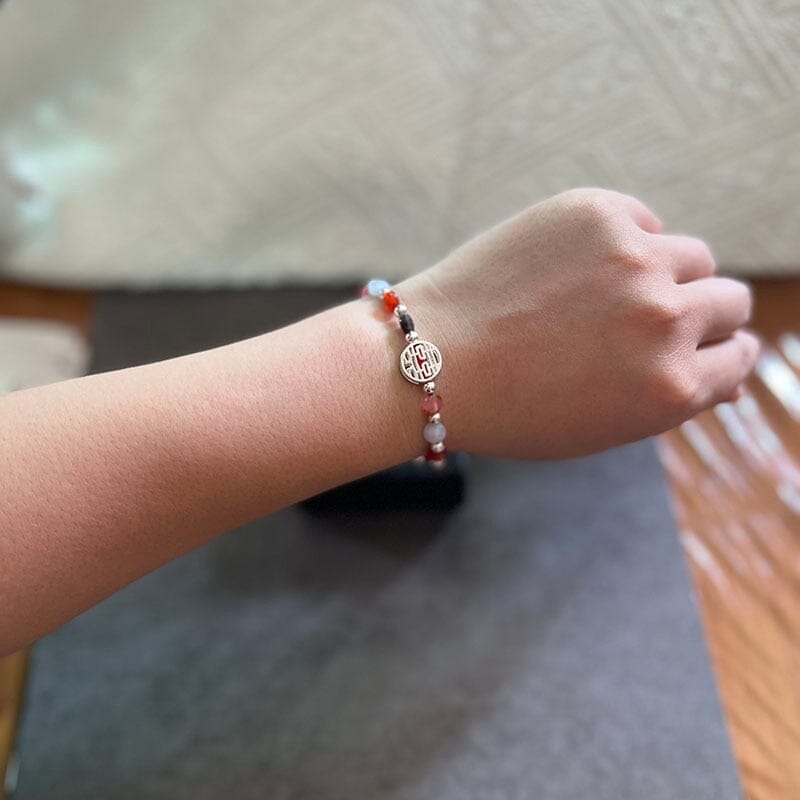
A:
{"points": [[371, 348], [438, 322]]}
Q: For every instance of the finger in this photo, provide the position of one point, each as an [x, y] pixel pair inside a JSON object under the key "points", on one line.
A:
{"points": [[637, 211], [724, 365], [719, 306], [691, 258], [738, 393]]}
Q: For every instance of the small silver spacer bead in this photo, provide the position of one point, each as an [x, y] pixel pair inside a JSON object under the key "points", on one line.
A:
{"points": [[412, 336], [429, 387], [435, 417], [399, 310], [437, 465], [437, 447]]}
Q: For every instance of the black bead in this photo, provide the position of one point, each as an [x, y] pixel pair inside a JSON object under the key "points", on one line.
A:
{"points": [[406, 323]]}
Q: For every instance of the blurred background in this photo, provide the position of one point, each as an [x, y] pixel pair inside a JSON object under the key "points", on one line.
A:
{"points": [[231, 142], [174, 174]]}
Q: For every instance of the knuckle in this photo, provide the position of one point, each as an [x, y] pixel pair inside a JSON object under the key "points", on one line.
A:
{"points": [[595, 209], [667, 312], [579, 193], [660, 314], [592, 206], [674, 390], [633, 254]]}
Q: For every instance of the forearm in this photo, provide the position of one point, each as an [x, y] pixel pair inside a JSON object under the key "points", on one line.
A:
{"points": [[106, 477], [572, 327]]}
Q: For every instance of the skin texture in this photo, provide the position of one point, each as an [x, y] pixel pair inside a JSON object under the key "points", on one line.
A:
{"points": [[577, 325], [570, 328]]}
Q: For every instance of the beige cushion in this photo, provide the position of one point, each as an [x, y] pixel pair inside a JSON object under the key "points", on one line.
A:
{"points": [[234, 141], [35, 352]]}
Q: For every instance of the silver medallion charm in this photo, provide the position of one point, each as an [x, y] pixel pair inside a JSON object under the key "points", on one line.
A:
{"points": [[420, 361]]}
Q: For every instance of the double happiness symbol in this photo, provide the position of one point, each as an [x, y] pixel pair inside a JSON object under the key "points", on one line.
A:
{"points": [[420, 362]]}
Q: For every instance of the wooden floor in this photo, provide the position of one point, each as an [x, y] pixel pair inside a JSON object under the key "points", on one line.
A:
{"points": [[13, 671], [735, 478]]}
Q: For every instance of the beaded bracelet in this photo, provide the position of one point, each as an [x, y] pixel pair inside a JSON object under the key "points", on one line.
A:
{"points": [[420, 363]]}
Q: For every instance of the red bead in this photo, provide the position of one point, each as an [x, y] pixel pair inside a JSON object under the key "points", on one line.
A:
{"points": [[431, 456], [432, 403], [390, 301]]}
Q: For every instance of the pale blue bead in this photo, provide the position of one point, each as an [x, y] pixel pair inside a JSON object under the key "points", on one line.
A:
{"points": [[434, 432], [375, 288]]}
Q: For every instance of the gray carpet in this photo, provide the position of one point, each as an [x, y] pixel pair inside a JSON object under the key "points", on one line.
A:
{"points": [[541, 642]]}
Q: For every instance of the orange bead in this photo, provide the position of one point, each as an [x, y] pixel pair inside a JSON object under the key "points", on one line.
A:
{"points": [[430, 455], [390, 301]]}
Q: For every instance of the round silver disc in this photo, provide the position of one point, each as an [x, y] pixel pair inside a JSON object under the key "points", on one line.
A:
{"points": [[420, 361]]}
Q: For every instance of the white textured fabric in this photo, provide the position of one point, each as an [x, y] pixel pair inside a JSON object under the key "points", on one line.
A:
{"points": [[244, 141]]}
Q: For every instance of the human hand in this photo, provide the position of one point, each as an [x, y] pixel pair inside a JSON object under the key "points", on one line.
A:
{"points": [[576, 326]]}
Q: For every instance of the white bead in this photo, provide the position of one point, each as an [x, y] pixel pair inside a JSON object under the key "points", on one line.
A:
{"points": [[434, 432], [437, 447]]}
